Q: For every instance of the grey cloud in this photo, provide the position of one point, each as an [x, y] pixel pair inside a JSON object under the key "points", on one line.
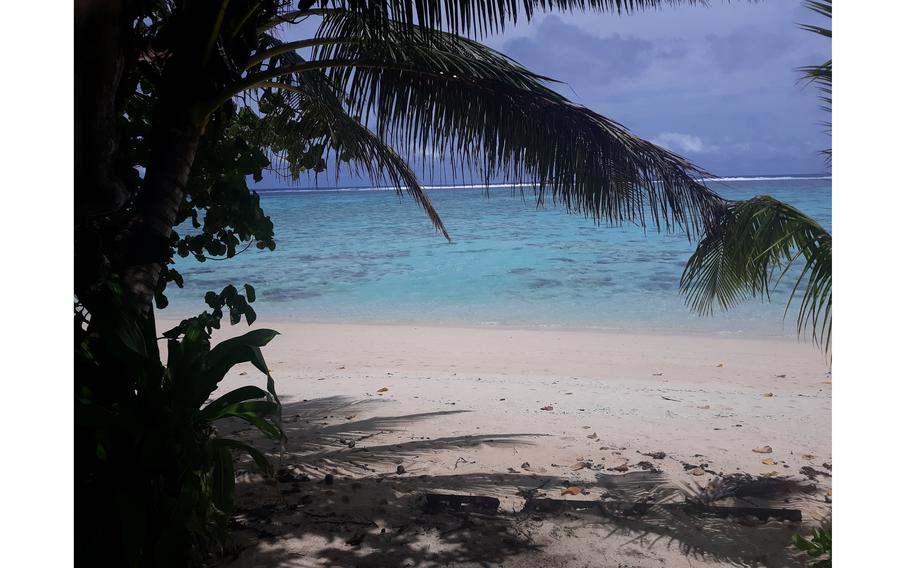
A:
{"points": [[748, 47], [566, 52]]}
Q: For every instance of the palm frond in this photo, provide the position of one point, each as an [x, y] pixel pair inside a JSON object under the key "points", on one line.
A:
{"points": [[820, 75], [312, 108], [466, 17], [437, 94], [747, 253], [822, 7]]}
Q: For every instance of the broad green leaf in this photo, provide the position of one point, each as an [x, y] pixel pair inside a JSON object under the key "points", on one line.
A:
{"points": [[223, 479], [241, 394], [258, 457]]}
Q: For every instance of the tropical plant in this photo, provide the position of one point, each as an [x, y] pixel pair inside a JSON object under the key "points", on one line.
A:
{"points": [[817, 546], [155, 479], [751, 245]]}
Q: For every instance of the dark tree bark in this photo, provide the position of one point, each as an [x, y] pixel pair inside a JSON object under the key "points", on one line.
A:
{"points": [[119, 230], [99, 67], [157, 206]]}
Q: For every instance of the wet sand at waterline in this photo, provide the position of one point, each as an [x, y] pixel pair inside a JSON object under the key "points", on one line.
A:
{"points": [[393, 412]]}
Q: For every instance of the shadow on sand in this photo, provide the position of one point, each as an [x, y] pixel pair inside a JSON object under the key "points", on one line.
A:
{"points": [[364, 516]]}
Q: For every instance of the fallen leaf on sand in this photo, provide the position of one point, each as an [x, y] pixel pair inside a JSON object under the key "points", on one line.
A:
{"points": [[769, 461], [548, 407], [620, 468], [720, 365], [783, 376], [696, 471], [573, 490], [579, 465], [383, 389], [768, 394], [585, 427], [762, 450]]}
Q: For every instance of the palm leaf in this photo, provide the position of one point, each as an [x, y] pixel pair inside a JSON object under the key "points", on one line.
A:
{"points": [[467, 17], [431, 94], [312, 103], [820, 75], [437, 94], [747, 253]]}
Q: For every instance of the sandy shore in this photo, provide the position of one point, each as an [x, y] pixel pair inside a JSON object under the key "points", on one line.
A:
{"points": [[500, 412]]}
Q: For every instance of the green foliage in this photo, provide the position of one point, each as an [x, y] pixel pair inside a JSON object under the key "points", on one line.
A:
{"points": [[751, 247], [817, 546], [155, 478], [443, 100], [218, 203], [820, 74]]}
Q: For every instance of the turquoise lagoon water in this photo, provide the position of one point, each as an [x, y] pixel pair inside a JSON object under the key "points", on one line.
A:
{"points": [[368, 256]]}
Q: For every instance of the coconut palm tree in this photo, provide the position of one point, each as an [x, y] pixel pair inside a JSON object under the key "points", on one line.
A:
{"points": [[752, 244], [380, 85]]}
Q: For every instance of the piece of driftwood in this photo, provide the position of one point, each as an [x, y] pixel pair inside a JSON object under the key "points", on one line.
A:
{"points": [[629, 509], [546, 505], [440, 503], [761, 513]]}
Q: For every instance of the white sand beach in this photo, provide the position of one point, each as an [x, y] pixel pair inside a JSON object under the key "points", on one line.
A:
{"points": [[393, 412]]}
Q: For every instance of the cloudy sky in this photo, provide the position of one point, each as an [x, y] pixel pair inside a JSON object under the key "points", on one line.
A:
{"points": [[714, 83]]}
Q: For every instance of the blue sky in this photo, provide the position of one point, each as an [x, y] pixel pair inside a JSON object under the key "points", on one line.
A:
{"points": [[716, 83]]}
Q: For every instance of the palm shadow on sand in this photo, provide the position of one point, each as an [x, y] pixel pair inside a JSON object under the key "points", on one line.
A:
{"points": [[367, 516]]}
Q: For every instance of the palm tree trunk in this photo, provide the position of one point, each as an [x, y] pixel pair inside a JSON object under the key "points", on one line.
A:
{"points": [[157, 206], [99, 66]]}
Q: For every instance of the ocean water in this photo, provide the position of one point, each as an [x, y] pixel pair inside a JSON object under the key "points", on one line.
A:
{"points": [[370, 256]]}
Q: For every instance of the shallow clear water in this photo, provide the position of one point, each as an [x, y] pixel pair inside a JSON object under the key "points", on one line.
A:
{"points": [[368, 256]]}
